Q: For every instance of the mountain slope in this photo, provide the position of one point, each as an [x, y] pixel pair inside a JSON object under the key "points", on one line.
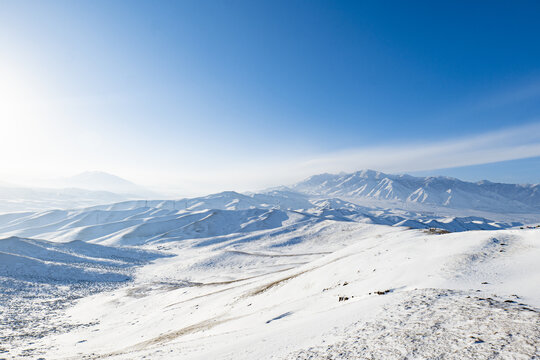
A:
{"points": [[43, 261], [351, 290]]}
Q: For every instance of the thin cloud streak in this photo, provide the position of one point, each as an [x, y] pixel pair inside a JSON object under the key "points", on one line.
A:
{"points": [[509, 144], [252, 175], [516, 143]]}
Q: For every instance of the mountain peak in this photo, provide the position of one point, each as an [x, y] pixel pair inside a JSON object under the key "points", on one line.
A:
{"points": [[368, 173]]}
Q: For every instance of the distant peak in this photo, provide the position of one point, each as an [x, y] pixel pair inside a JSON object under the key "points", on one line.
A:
{"points": [[102, 181], [227, 193]]}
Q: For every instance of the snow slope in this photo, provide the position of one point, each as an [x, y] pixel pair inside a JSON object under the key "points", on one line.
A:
{"points": [[404, 293], [76, 261], [39, 279]]}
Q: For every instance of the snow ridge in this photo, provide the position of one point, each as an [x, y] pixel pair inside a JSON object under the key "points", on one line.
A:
{"points": [[227, 214]]}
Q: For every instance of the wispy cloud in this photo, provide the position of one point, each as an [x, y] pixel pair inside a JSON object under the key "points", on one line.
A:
{"points": [[515, 143], [509, 144]]}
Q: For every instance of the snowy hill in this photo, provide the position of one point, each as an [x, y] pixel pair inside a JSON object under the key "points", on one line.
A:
{"points": [[226, 200], [38, 260], [39, 279], [437, 191], [228, 214]]}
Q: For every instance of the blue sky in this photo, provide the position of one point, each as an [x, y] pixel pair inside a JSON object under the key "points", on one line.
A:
{"points": [[514, 171], [246, 94]]}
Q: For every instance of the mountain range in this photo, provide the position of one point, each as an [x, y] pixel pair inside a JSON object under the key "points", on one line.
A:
{"points": [[436, 191]]}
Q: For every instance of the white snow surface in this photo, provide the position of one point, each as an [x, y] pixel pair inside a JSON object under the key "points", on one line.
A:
{"points": [[76, 261], [275, 275], [408, 294]]}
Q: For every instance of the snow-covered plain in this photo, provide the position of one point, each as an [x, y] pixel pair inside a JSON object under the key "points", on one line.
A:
{"points": [[275, 275]]}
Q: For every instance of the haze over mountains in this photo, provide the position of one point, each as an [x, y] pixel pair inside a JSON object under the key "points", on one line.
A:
{"points": [[81, 190], [366, 187], [102, 181], [32, 199]]}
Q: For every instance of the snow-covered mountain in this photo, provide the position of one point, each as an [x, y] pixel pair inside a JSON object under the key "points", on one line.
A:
{"points": [[436, 191], [227, 214]]}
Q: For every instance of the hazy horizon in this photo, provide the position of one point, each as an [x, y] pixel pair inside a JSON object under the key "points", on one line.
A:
{"points": [[473, 173]]}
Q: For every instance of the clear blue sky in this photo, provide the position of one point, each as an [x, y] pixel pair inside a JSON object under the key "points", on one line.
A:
{"points": [[192, 91], [513, 171]]}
